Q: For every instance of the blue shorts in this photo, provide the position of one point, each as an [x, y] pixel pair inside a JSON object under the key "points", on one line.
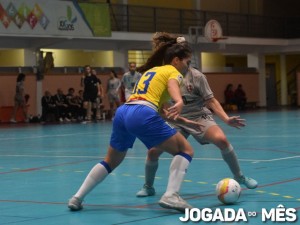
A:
{"points": [[138, 121]]}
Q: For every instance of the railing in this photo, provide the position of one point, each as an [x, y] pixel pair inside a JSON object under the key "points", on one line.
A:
{"points": [[292, 85], [130, 18], [58, 70]]}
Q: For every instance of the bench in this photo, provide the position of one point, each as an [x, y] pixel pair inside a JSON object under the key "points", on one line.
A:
{"points": [[6, 112], [251, 105]]}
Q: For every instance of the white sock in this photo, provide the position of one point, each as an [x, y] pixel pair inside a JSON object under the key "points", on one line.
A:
{"points": [[230, 158], [178, 170], [95, 176], [150, 171]]}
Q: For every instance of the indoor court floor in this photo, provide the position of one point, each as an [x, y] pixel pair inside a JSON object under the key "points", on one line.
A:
{"points": [[42, 166]]}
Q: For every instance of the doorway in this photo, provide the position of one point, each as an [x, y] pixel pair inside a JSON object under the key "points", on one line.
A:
{"points": [[271, 89]]}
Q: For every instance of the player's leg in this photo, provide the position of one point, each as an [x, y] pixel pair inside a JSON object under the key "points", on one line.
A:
{"points": [[97, 174], [153, 131], [214, 134], [14, 112], [120, 141], [183, 152], [151, 166]]}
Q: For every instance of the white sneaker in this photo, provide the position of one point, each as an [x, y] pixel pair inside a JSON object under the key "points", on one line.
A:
{"points": [[75, 204], [13, 121], [146, 191], [174, 202]]}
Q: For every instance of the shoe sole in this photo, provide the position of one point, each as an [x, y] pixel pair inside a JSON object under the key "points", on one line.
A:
{"points": [[168, 206], [251, 187], [144, 195], [75, 207]]}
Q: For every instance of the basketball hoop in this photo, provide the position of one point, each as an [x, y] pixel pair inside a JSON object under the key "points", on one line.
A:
{"points": [[216, 39], [213, 31]]}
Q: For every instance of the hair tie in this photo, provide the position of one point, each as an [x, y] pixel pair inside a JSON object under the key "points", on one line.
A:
{"points": [[180, 40]]}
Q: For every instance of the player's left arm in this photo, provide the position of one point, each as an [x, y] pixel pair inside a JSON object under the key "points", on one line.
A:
{"points": [[164, 112], [234, 121]]}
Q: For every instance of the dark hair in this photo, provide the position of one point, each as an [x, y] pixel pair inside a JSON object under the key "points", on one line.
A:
{"points": [[114, 73], [228, 86], [166, 48], [21, 77], [181, 50]]}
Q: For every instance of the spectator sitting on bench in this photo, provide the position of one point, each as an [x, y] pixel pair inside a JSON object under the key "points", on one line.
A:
{"points": [[49, 110], [240, 97], [229, 95]]}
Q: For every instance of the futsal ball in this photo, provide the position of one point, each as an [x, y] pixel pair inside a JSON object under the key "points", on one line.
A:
{"points": [[228, 191]]}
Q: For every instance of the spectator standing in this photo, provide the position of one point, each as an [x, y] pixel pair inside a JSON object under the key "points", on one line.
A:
{"points": [[129, 79], [90, 84], [97, 106], [112, 91], [20, 100]]}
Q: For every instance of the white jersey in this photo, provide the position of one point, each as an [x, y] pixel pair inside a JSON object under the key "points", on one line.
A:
{"points": [[129, 80], [195, 91], [113, 86]]}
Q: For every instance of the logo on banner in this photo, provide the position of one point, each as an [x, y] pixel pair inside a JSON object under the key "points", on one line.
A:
{"points": [[67, 23], [23, 14]]}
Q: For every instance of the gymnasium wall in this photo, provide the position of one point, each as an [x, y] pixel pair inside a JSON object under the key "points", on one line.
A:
{"points": [[217, 81], [298, 85]]}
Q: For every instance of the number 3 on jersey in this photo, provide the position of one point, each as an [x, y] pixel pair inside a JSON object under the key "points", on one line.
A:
{"points": [[147, 78]]}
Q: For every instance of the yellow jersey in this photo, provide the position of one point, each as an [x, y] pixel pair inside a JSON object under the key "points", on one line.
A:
{"points": [[153, 85]]}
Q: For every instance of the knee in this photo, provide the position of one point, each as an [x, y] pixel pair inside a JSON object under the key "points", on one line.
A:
{"points": [[188, 150], [153, 154], [222, 142]]}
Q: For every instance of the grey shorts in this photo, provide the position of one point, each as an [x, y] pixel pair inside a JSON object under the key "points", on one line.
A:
{"points": [[206, 120], [19, 99], [113, 97]]}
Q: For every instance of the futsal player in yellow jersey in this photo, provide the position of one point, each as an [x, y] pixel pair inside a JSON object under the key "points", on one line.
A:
{"points": [[156, 93], [139, 118]]}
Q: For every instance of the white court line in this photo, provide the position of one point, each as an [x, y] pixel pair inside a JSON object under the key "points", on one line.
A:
{"points": [[278, 159], [162, 158], [264, 136], [47, 136]]}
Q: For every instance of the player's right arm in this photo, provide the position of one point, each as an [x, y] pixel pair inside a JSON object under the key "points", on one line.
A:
{"points": [[174, 91]]}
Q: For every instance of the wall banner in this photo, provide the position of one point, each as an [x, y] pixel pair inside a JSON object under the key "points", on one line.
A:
{"points": [[42, 18]]}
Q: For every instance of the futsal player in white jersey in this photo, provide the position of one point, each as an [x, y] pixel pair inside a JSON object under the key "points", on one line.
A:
{"points": [[199, 99]]}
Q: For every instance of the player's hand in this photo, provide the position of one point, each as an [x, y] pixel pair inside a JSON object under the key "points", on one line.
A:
{"points": [[196, 125], [236, 121], [174, 111]]}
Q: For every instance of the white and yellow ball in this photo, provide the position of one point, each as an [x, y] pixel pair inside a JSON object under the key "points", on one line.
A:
{"points": [[228, 191]]}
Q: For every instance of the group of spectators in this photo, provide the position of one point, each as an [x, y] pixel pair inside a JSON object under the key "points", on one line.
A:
{"points": [[235, 97], [86, 105], [61, 107], [83, 106]]}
